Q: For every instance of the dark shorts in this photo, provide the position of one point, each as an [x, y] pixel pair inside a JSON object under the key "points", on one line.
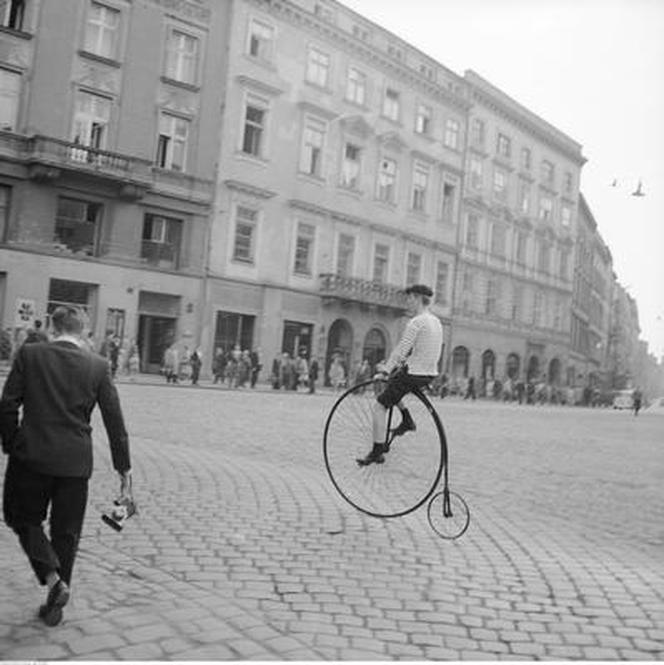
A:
{"points": [[399, 384]]}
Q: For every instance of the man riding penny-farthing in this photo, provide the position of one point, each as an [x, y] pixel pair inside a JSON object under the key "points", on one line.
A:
{"points": [[385, 449]]}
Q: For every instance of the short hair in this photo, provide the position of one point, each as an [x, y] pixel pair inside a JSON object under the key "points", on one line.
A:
{"points": [[67, 319]]}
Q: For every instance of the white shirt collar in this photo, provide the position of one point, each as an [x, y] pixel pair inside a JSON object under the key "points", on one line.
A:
{"points": [[69, 338]]}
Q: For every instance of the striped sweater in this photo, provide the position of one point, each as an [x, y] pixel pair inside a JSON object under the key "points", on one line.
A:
{"points": [[420, 346]]}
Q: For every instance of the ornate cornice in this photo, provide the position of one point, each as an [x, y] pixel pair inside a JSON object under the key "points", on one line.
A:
{"points": [[305, 20], [311, 107], [257, 84], [251, 190]]}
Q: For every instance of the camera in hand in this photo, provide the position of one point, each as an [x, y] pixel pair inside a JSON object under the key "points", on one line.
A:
{"points": [[123, 508]]}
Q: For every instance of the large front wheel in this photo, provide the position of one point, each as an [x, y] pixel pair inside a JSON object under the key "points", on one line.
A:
{"points": [[411, 469]]}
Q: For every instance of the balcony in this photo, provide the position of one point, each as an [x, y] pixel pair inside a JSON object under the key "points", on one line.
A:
{"points": [[366, 293], [47, 157]]}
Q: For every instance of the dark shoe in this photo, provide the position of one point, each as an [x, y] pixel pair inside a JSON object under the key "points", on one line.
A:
{"points": [[58, 597], [406, 425], [50, 617], [376, 456]]}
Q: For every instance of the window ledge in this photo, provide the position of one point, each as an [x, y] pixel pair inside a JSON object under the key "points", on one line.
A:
{"points": [[261, 62], [88, 55], [321, 88], [252, 159], [312, 178], [17, 33], [180, 84], [247, 263], [351, 191]]}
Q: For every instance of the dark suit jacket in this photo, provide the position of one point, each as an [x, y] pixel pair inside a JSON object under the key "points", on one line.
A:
{"points": [[58, 385]]}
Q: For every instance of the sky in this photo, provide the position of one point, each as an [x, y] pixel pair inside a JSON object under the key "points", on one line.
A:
{"points": [[595, 70]]}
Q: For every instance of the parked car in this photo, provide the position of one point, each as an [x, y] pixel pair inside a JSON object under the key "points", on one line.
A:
{"points": [[623, 399]]}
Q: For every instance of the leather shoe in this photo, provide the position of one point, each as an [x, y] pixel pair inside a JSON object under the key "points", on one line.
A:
{"points": [[51, 612]]}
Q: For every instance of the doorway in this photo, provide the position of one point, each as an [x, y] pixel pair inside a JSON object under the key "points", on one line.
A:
{"points": [[155, 335]]}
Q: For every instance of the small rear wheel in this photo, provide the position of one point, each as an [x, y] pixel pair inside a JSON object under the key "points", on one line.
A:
{"points": [[411, 468], [448, 514]]}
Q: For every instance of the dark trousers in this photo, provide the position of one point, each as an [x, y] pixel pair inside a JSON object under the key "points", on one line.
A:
{"points": [[27, 496]]}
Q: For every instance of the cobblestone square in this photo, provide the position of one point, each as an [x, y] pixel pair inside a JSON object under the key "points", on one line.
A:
{"points": [[242, 550]]}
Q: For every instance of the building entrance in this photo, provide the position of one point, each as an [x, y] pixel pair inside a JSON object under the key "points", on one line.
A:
{"points": [[339, 343], [155, 335]]}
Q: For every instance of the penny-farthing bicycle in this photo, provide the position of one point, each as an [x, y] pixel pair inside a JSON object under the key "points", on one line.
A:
{"points": [[412, 466]]}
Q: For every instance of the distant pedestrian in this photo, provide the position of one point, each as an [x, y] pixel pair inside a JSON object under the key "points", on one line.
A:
{"points": [[337, 373], [313, 375], [637, 398], [196, 361], [219, 367], [470, 389], [256, 366], [55, 387], [171, 364]]}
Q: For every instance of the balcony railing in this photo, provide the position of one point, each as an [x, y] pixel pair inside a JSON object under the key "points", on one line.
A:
{"points": [[66, 154], [362, 291], [160, 254]]}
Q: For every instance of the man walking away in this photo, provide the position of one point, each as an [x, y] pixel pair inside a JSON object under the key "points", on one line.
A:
{"points": [[57, 385]]}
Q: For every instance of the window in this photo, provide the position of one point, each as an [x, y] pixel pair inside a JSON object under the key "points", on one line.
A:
{"points": [[468, 286], [526, 159], [304, 245], [350, 168], [387, 175], [10, 91], [345, 255], [246, 221], [172, 142], [442, 276], [361, 33], [452, 134], [498, 235], [413, 268], [101, 30], [544, 256], [521, 240], [449, 191], [491, 303], [472, 231], [476, 173], [92, 114], [569, 183], [391, 103], [395, 51], [503, 146], [311, 156], [427, 71], [381, 262], [546, 208], [547, 172], [537, 308], [5, 194], [181, 57], [12, 13], [423, 119], [517, 302], [356, 86], [566, 216], [420, 185], [232, 328], [76, 225], [254, 128], [477, 132], [564, 263], [318, 67], [500, 184], [160, 245], [260, 43], [524, 197]]}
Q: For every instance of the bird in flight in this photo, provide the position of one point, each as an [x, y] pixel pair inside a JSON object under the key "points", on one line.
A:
{"points": [[639, 190]]}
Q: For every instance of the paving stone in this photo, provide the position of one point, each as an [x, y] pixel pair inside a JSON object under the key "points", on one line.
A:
{"points": [[87, 645]]}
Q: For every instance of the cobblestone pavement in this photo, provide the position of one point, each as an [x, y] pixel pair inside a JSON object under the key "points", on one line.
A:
{"points": [[243, 550]]}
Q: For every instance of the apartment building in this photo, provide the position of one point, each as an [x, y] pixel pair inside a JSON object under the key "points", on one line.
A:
{"points": [[623, 347], [591, 304], [109, 115], [339, 182], [513, 291]]}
